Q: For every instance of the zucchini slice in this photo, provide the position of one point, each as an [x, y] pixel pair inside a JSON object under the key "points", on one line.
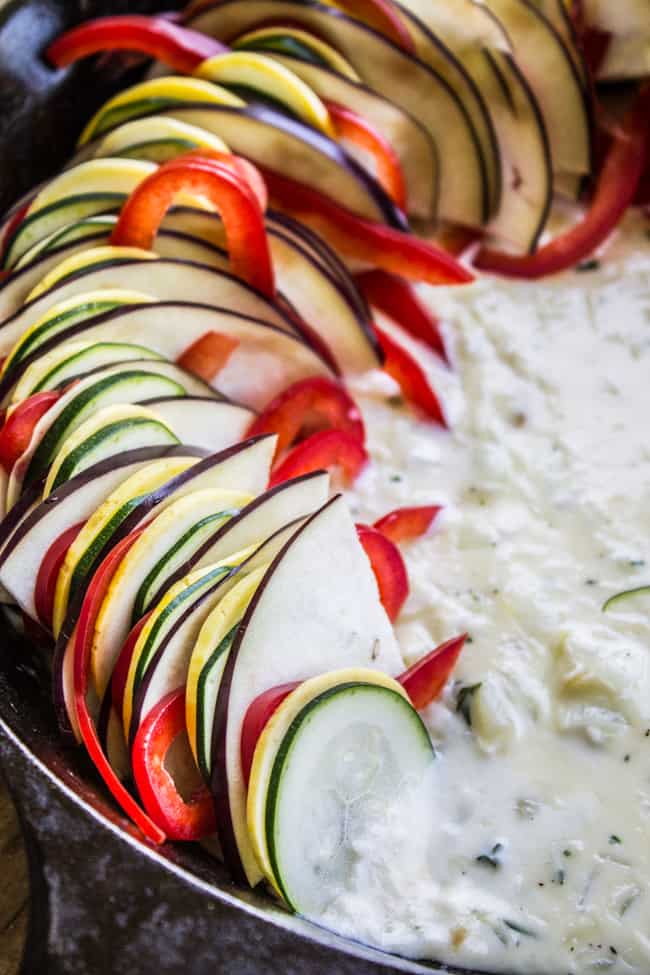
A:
{"points": [[295, 43], [112, 430], [630, 599], [23, 552], [276, 644], [164, 544], [340, 759], [93, 185], [156, 139]]}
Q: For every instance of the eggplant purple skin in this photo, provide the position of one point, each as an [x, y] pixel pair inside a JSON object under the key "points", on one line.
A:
{"points": [[42, 109]]}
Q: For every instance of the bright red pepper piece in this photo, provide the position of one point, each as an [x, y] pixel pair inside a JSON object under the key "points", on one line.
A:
{"points": [[81, 664], [48, 573], [236, 201], [404, 524], [306, 406], [410, 377], [357, 130], [11, 226], [18, 428], [207, 356], [180, 819], [327, 449], [373, 243], [615, 190], [257, 717], [180, 48], [389, 569], [424, 681], [395, 298]]}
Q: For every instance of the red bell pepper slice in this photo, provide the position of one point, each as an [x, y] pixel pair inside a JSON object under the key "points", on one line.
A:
{"points": [[306, 406], [233, 196], [404, 524], [81, 664], [395, 298], [373, 243], [257, 717], [357, 130], [180, 48], [207, 356], [615, 190], [424, 681], [48, 573], [11, 226], [389, 569], [410, 377], [329, 448], [18, 428], [123, 664], [180, 819]]}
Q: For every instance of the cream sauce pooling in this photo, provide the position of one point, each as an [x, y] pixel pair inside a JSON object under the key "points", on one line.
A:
{"points": [[529, 847]]}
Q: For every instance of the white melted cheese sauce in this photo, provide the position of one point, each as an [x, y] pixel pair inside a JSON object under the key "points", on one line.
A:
{"points": [[528, 849]]}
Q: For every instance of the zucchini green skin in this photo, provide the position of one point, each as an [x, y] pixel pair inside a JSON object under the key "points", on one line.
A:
{"points": [[284, 754], [152, 586], [203, 720], [625, 596]]}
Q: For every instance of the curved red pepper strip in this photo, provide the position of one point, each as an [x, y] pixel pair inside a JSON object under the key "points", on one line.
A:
{"points": [[18, 427], [615, 190], [403, 524], [396, 299], [357, 130], [411, 378], [424, 681], [373, 243], [180, 820], [48, 573], [240, 167], [81, 665], [10, 228], [257, 716], [329, 448], [389, 569], [243, 219], [309, 403], [180, 48], [207, 356]]}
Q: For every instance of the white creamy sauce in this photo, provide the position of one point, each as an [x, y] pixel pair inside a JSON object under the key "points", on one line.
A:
{"points": [[528, 849]]}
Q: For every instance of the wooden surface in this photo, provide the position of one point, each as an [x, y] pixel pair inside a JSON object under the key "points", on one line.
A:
{"points": [[13, 887]]}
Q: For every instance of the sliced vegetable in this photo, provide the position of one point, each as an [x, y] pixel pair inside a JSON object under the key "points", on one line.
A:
{"points": [[181, 819], [256, 719], [388, 568], [16, 432], [49, 571], [181, 48], [307, 405], [372, 243], [424, 681], [86, 725], [236, 201], [383, 16], [627, 596], [403, 524], [208, 355], [395, 298], [354, 733], [615, 190], [324, 450], [410, 377], [353, 128]]}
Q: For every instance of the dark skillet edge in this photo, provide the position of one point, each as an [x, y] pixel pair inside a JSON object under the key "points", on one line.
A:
{"points": [[97, 886]]}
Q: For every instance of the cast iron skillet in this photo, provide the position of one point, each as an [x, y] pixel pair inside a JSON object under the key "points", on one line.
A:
{"points": [[103, 900]]}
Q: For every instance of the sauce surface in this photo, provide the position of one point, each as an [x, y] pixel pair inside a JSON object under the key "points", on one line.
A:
{"points": [[528, 849]]}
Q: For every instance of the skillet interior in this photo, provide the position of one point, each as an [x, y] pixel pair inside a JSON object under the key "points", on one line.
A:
{"points": [[102, 899]]}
